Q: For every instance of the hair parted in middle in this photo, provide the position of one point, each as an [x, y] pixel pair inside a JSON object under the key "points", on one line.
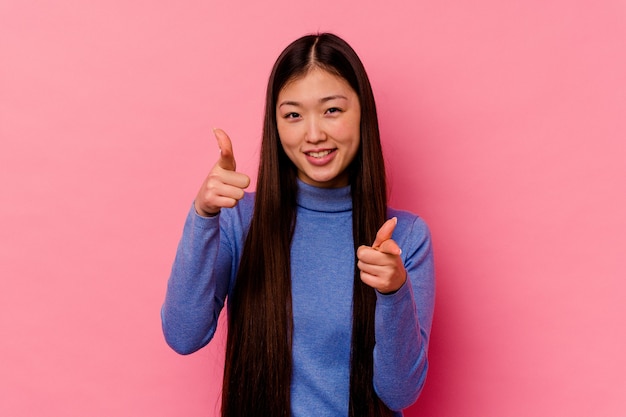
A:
{"points": [[258, 366]]}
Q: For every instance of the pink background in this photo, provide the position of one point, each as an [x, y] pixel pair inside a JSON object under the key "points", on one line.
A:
{"points": [[504, 125]]}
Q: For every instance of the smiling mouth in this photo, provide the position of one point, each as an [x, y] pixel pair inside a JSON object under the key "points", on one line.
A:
{"points": [[320, 154]]}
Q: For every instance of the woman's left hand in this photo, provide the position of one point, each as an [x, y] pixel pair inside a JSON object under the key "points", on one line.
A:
{"points": [[380, 264]]}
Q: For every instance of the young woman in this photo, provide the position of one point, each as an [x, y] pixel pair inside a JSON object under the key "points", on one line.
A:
{"points": [[330, 292]]}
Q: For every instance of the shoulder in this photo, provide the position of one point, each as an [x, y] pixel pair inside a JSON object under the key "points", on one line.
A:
{"points": [[408, 220], [411, 229]]}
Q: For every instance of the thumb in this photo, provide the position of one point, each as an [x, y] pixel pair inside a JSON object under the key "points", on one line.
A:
{"points": [[227, 158], [385, 232]]}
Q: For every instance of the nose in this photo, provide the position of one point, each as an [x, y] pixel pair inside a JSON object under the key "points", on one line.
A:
{"points": [[314, 132]]}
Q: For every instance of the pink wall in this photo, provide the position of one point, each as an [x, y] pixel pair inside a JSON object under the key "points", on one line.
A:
{"points": [[505, 127]]}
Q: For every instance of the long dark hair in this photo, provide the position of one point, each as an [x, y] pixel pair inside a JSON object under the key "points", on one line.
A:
{"points": [[257, 374]]}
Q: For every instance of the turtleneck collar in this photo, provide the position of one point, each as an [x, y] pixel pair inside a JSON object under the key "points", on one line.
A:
{"points": [[329, 200]]}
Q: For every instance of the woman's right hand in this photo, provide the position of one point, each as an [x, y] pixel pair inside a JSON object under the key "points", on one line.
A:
{"points": [[224, 186]]}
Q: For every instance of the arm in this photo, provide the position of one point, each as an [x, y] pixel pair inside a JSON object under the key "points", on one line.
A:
{"points": [[198, 284], [403, 320], [205, 260]]}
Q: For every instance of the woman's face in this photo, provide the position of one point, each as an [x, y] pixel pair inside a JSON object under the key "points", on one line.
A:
{"points": [[318, 117]]}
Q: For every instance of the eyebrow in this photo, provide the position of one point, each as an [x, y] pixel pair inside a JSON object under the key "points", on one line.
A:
{"points": [[321, 100]]}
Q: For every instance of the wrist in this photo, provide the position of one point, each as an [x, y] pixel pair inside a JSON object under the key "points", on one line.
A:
{"points": [[203, 213], [395, 289]]}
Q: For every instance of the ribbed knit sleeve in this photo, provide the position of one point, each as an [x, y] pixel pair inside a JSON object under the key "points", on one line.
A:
{"points": [[404, 318], [202, 275]]}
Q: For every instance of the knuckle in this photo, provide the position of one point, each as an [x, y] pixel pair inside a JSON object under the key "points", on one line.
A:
{"points": [[213, 177]]}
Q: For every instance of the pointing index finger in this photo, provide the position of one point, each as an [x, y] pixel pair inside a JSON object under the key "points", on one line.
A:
{"points": [[227, 158]]}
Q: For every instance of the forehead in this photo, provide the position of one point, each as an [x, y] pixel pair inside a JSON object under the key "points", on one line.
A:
{"points": [[316, 83]]}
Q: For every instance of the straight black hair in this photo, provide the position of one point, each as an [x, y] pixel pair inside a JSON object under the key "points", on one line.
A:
{"points": [[257, 374]]}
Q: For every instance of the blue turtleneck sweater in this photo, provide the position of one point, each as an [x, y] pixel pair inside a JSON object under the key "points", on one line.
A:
{"points": [[322, 256]]}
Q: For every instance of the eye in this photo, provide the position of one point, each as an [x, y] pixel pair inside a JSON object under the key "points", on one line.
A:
{"points": [[291, 115], [333, 110]]}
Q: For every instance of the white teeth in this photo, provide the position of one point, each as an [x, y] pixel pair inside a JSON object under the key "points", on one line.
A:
{"points": [[318, 154]]}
